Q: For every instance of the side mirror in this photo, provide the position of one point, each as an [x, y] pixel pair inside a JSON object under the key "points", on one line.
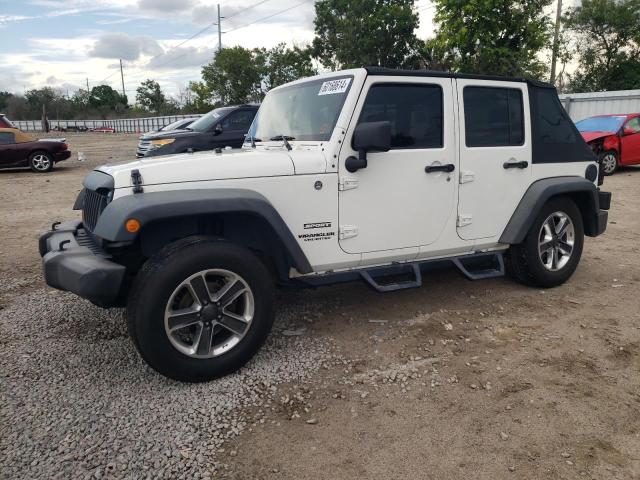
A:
{"points": [[368, 137], [217, 130], [628, 131]]}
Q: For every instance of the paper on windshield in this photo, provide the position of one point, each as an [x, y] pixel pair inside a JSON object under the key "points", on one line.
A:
{"points": [[332, 87]]}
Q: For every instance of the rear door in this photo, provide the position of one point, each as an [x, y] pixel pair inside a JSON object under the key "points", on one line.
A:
{"points": [[394, 203], [495, 154]]}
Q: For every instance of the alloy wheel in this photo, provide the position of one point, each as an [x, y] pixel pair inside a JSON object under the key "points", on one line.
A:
{"points": [[609, 163], [556, 240], [209, 313], [41, 162]]}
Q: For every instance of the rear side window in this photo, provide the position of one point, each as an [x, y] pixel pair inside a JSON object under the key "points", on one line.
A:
{"points": [[414, 111], [239, 120], [553, 125], [7, 138], [493, 117]]}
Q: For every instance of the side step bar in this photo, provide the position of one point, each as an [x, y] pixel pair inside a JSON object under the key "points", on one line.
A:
{"points": [[476, 266], [370, 274]]}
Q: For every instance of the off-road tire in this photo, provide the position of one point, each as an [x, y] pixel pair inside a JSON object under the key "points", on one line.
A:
{"points": [[609, 154], [154, 286], [524, 262], [36, 160]]}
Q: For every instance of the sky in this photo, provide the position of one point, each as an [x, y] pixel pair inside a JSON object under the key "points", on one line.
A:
{"points": [[62, 43]]}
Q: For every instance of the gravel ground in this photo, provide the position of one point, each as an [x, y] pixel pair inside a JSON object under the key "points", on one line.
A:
{"points": [[78, 402]]}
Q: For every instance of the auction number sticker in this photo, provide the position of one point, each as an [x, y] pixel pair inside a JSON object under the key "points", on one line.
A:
{"points": [[334, 86]]}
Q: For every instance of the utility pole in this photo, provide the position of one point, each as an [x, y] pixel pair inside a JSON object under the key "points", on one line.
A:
{"points": [[556, 39], [87, 84], [122, 76], [219, 31]]}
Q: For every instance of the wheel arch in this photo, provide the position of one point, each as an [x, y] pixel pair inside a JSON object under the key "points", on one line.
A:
{"points": [[580, 190], [241, 216]]}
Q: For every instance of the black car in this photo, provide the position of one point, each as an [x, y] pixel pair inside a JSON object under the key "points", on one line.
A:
{"points": [[220, 128]]}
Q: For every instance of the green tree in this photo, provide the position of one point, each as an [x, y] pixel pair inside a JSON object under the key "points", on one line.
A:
{"points": [[499, 37], [4, 99], [356, 33], [234, 77], [106, 98], [282, 64], [607, 44], [149, 95]]}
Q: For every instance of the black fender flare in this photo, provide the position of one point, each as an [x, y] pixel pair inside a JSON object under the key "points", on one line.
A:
{"points": [[540, 192], [153, 206]]}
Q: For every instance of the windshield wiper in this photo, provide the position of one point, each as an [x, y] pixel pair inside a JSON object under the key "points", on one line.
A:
{"points": [[285, 139], [254, 140]]}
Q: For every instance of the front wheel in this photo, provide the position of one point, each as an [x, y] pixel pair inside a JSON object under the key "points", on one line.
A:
{"points": [[201, 309], [552, 248], [609, 162]]}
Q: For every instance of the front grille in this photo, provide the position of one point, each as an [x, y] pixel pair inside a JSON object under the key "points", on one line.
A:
{"points": [[86, 239], [93, 205]]}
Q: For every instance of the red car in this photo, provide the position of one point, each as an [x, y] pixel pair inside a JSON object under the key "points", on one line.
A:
{"points": [[17, 149], [614, 138]]}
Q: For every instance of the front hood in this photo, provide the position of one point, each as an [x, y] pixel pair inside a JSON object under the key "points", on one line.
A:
{"points": [[204, 166], [171, 134], [591, 136]]}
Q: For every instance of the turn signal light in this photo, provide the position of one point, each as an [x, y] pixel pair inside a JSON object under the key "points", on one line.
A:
{"points": [[132, 225]]}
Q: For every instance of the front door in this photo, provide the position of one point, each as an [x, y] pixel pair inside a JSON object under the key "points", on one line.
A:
{"points": [[394, 203], [631, 143], [495, 155], [234, 128], [8, 151]]}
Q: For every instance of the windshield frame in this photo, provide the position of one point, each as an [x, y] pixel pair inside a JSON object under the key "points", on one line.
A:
{"points": [[218, 114], [305, 83], [621, 120]]}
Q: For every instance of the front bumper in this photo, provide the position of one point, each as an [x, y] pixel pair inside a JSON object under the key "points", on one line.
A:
{"points": [[73, 262], [604, 202], [60, 156]]}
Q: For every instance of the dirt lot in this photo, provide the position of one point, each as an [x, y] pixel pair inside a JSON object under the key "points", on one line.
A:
{"points": [[457, 379]]}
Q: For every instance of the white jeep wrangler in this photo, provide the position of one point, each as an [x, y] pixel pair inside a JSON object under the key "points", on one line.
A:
{"points": [[369, 174]]}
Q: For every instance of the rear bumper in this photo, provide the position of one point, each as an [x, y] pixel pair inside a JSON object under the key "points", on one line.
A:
{"points": [[60, 156], [72, 262]]}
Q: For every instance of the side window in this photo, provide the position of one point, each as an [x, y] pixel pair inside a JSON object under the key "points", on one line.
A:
{"points": [[493, 117], [238, 120], [552, 123], [7, 138], [634, 124], [414, 111]]}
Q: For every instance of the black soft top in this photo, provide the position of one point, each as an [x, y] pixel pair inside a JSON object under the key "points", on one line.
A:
{"points": [[434, 73]]}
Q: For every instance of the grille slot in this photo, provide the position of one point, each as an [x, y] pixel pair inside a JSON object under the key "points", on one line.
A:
{"points": [[93, 205]]}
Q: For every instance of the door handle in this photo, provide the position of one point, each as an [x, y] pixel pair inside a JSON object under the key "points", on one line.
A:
{"points": [[523, 164], [449, 167]]}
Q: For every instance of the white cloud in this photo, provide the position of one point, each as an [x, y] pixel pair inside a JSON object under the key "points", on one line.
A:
{"points": [[180, 58], [165, 5], [124, 46]]}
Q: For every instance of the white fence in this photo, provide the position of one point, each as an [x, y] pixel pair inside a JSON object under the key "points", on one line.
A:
{"points": [[123, 125], [584, 105]]}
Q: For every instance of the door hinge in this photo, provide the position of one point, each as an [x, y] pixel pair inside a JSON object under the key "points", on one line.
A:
{"points": [[348, 231], [347, 184], [136, 181], [464, 220], [467, 176]]}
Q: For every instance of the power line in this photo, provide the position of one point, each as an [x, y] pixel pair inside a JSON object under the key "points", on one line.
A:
{"points": [[267, 17]]}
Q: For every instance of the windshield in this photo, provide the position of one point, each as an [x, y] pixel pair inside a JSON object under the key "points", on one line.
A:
{"points": [[182, 123], [208, 121], [307, 111], [600, 124]]}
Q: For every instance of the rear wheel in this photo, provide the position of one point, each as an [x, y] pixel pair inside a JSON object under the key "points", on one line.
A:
{"points": [[201, 309], [41, 162], [552, 248], [609, 162]]}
